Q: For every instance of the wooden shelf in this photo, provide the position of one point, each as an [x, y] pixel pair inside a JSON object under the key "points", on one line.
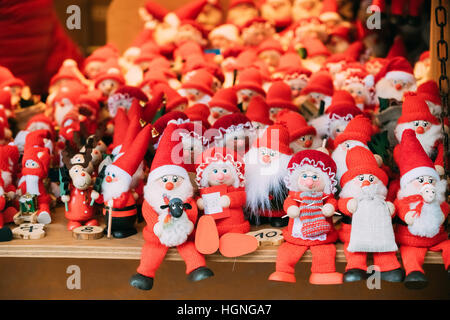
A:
{"points": [[58, 243]]}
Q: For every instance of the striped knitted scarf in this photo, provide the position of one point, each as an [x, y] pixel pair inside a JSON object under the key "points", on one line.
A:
{"points": [[313, 221]]}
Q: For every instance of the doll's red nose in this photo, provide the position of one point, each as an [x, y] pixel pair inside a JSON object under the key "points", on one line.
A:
{"points": [[246, 98], [308, 143], [215, 115], [83, 174], [108, 179], [398, 86], [266, 158], [169, 186], [420, 130], [365, 183]]}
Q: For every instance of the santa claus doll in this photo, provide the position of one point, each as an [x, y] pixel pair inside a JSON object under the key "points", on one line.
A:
{"points": [[279, 97], [9, 156], [279, 12], [198, 88], [64, 102], [221, 181], [241, 11], [211, 15], [222, 103], [224, 37], [118, 199], [258, 113], [417, 116], [270, 51], [367, 224], [265, 168], [310, 206], [35, 165], [422, 210], [93, 64], [110, 78], [319, 90], [249, 84], [170, 213], [360, 85], [256, 31], [429, 90]]}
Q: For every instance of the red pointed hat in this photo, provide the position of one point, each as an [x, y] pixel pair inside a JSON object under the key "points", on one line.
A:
{"points": [[258, 110], [225, 98], [360, 160], [36, 138], [201, 80], [317, 159], [173, 98], [229, 123], [198, 112], [359, 129], [429, 91], [132, 158], [91, 99], [290, 63], [342, 105], [412, 159], [44, 119], [7, 79], [320, 82], [397, 49], [415, 108], [153, 77], [166, 161], [234, 3], [250, 79], [5, 99], [65, 72], [270, 44], [102, 54], [186, 49], [296, 124], [110, 70], [120, 129], [215, 154], [245, 59], [40, 155], [174, 116], [329, 10], [396, 68], [315, 47], [275, 137], [132, 92], [279, 95], [191, 10], [156, 10]]}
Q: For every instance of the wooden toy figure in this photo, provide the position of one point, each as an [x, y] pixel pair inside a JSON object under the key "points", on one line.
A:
{"points": [[310, 206], [220, 176], [120, 205], [34, 198], [367, 224], [170, 212], [79, 210], [422, 210]]}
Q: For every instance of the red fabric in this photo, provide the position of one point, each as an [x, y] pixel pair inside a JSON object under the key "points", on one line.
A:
{"points": [[126, 199], [79, 205], [415, 108], [35, 40], [386, 261], [323, 257]]}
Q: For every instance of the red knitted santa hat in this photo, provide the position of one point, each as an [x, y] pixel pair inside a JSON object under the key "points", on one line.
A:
{"points": [[270, 44], [173, 98], [320, 82], [291, 63], [245, 59], [40, 155], [279, 95], [185, 49], [275, 137], [8, 154], [66, 71], [153, 77], [234, 3], [216, 154], [317, 159], [201, 80], [396, 68], [359, 129], [296, 124], [225, 98], [166, 161], [329, 10], [341, 31], [7, 79], [397, 49], [250, 79], [429, 91], [120, 130], [424, 55], [173, 116], [415, 108], [342, 106], [67, 93], [132, 92], [191, 10], [230, 123], [412, 159], [44, 119], [194, 62], [102, 54], [156, 10], [110, 70], [132, 158], [5, 99], [315, 47], [198, 112], [258, 110], [360, 160], [91, 99]]}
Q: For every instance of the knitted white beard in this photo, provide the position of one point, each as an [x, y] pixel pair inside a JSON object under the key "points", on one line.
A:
{"points": [[113, 190], [32, 184], [427, 139], [384, 89], [175, 232], [259, 183]]}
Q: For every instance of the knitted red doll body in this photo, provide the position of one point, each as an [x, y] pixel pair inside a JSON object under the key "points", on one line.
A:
{"points": [[367, 224], [170, 213], [310, 207], [220, 176], [422, 210], [9, 156]]}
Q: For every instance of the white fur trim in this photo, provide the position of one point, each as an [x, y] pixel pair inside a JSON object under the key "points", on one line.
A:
{"points": [[169, 169], [417, 172], [399, 75], [228, 31], [222, 131], [330, 15]]}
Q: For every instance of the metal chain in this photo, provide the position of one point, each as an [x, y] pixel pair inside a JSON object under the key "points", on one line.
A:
{"points": [[444, 83]]}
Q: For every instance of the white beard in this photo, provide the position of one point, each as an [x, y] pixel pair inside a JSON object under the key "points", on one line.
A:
{"points": [[6, 177], [31, 183], [427, 139], [60, 113], [174, 233], [321, 125], [154, 194], [339, 155], [352, 189], [262, 180], [113, 190], [384, 89]]}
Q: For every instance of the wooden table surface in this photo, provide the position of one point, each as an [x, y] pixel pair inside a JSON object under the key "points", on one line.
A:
{"points": [[58, 243]]}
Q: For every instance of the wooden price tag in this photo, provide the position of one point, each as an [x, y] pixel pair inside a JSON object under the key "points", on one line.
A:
{"points": [[29, 231], [268, 237], [87, 233]]}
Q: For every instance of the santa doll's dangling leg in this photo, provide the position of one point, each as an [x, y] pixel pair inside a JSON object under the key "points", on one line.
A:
{"points": [[413, 258], [356, 268], [287, 257], [152, 256], [195, 262], [444, 246], [390, 268], [323, 269], [43, 214]]}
